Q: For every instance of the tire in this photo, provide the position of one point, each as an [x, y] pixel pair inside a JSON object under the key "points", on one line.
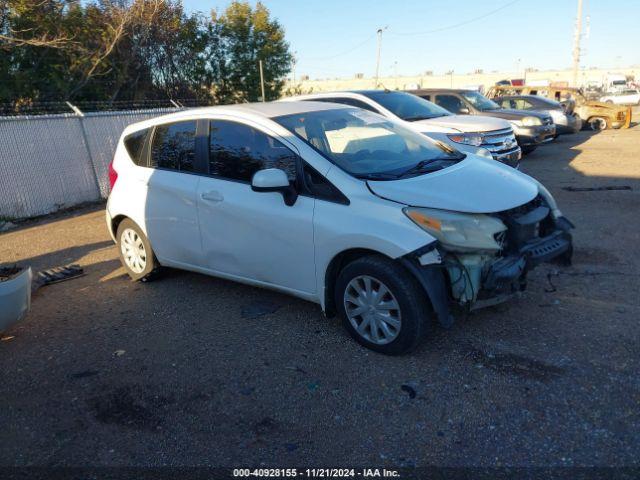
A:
{"points": [[609, 101], [598, 124], [129, 236], [526, 150], [412, 316]]}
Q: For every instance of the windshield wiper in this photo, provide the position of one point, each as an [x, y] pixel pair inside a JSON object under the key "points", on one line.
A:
{"points": [[433, 165], [417, 118], [378, 176]]}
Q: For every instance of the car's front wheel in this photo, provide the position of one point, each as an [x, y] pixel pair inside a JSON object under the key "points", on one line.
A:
{"points": [[382, 305], [598, 123], [135, 251], [527, 149]]}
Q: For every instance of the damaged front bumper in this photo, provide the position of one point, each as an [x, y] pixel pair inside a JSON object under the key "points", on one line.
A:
{"points": [[468, 281]]}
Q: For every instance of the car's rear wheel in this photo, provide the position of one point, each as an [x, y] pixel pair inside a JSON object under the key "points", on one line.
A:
{"points": [[135, 251], [598, 123], [382, 305]]}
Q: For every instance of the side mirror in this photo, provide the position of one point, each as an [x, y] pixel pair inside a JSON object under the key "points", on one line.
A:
{"points": [[464, 111], [274, 180]]}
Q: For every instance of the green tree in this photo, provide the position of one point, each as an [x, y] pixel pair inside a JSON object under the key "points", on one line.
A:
{"points": [[110, 50], [249, 35]]}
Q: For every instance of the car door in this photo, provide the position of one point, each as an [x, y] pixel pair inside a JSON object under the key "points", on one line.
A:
{"points": [[171, 215], [248, 234]]}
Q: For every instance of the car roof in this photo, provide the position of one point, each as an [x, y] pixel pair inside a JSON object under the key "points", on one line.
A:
{"points": [[346, 93], [431, 90], [242, 110], [533, 98], [263, 109]]}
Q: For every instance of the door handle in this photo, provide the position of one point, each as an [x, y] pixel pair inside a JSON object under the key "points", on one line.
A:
{"points": [[212, 196]]}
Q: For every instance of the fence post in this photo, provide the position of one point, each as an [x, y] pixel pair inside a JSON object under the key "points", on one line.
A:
{"points": [[80, 116]]}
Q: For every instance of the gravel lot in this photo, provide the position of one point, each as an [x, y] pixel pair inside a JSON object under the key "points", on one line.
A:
{"points": [[192, 370]]}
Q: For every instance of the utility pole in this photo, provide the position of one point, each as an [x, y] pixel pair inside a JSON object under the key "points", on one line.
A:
{"points": [[576, 44], [380, 30], [395, 72], [294, 60], [262, 82]]}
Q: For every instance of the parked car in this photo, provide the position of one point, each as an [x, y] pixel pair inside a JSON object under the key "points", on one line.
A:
{"points": [[624, 97], [531, 128], [333, 204], [463, 133], [565, 121], [597, 115], [15, 294]]}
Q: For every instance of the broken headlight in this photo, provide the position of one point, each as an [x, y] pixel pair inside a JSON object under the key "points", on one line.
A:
{"points": [[459, 231]]}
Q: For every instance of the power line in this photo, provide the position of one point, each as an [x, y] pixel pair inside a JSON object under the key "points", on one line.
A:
{"points": [[344, 52], [456, 25]]}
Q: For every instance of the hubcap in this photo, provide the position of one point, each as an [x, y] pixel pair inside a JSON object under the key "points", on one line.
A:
{"points": [[372, 309], [598, 124], [133, 252]]}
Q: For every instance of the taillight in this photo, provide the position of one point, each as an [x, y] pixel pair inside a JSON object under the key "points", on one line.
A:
{"points": [[113, 176]]}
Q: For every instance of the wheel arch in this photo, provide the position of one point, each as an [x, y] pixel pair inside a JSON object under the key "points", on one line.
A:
{"points": [[431, 279], [337, 263], [115, 223]]}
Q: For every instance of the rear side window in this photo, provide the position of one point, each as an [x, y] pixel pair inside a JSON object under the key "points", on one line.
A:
{"points": [[173, 146], [237, 151], [134, 144]]}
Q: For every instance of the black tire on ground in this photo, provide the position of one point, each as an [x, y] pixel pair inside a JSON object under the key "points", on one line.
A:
{"points": [[598, 124], [415, 311], [526, 150], [151, 266]]}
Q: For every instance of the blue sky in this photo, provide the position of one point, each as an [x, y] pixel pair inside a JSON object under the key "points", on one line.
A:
{"points": [[336, 38]]}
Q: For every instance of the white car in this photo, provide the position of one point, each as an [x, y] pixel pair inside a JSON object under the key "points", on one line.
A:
{"points": [[492, 137], [332, 204], [625, 97]]}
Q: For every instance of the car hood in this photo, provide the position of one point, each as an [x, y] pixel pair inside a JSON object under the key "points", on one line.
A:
{"points": [[466, 123], [606, 106], [474, 185], [512, 114]]}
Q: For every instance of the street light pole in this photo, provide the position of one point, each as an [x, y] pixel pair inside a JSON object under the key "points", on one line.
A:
{"points": [[380, 30], [262, 82], [576, 44]]}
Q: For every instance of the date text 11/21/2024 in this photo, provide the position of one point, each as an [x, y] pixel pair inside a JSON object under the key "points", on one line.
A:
{"points": [[316, 472]]}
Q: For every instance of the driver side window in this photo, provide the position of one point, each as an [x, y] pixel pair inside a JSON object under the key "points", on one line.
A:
{"points": [[237, 151], [450, 102]]}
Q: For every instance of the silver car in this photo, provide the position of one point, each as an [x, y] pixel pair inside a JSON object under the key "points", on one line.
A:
{"points": [[563, 116]]}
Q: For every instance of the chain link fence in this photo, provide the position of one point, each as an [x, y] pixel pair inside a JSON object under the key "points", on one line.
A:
{"points": [[52, 162]]}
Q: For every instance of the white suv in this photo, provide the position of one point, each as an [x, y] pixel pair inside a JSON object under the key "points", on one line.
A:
{"points": [[333, 204], [479, 134]]}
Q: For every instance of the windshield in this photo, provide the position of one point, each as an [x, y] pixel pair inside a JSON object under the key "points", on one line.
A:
{"points": [[407, 106], [480, 101], [367, 145]]}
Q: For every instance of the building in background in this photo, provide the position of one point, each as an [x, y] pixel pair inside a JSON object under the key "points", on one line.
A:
{"points": [[479, 80]]}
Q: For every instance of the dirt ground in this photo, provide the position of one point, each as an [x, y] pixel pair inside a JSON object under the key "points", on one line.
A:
{"points": [[192, 370]]}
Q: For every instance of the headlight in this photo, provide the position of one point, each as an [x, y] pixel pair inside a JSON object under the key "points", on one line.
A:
{"points": [[531, 121], [466, 138], [458, 231]]}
